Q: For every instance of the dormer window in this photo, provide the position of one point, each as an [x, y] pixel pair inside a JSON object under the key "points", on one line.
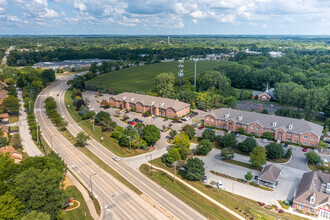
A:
{"points": [[274, 123], [124, 97], [132, 99], [161, 104], [312, 199], [290, 126], [240, 118], [153, 102], [226, 115]]}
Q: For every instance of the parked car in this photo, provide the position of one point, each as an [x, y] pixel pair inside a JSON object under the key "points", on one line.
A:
{"points": [[204, 179], [256, 177], [201, 127], [180, 122], [155, 117], [116, 158], [165, 119], [238, 134], [132, 123], [285, 145], [145, 115], [264, 140], [219, 184], [305, 149]]}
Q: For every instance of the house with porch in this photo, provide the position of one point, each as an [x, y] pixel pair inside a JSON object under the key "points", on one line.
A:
{"points": [[269, 176], [159, 106], [312, 195]]}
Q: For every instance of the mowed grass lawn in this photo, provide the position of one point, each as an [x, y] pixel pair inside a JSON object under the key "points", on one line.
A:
{"points": [[78, 213], [141, 78]]}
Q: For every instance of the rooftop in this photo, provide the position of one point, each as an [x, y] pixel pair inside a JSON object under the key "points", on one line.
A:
{"points": [[270, 173], [268, 121]]}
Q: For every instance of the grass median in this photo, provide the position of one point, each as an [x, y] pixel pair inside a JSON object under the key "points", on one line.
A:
{"points": [[87, 125], [243, 206]]}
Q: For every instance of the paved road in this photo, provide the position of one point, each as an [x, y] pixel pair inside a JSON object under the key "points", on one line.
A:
{"points": [[175, 207], [117, 201], [4, 59], [28, 145]]}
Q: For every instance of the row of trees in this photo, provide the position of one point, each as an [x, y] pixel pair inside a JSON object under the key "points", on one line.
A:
{"points": [[55, 117]]}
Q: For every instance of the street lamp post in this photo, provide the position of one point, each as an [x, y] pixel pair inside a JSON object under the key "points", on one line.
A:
{"points": [[90, 180], [180, 72], [195, 60], [129, 138]]}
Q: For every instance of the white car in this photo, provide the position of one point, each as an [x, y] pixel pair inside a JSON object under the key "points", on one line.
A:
{"points": [[219, 184], [264, 140], [116, 158]]}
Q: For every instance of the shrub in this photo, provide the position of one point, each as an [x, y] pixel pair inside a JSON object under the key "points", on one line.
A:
{"points": [[203, 147], [313, 157]]}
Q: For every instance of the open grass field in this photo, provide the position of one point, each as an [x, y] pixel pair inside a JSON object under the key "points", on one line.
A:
{"points": [[141, 78], [80, 213], [241, 205]]}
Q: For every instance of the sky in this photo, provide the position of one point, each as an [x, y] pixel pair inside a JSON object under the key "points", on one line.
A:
{"points": [[165, 17]]}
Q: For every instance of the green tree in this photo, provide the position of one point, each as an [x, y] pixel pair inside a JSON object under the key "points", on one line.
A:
{"points": [[151, 134], [322, 145], [313, 157], [227, 141], [227, 153], [11, 105], [173, 155], [288, 153], [189, 130], [194, 169], [81, 139], [209, 134], [182, 143], [241, 130], [48, 75], [274, 151], [124, 140], [164, 84], [36, 216], [16, 141], [248, 176], [247, 145], [40, 190], [10, 207], [258, 157], [204, 147], [173, 133]]}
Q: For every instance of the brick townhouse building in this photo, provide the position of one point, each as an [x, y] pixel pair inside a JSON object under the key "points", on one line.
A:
{"points": [[154, 105], [285, 129], [313, 194]]}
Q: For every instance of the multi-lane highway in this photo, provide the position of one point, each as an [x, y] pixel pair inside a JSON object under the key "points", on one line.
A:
{"points": [[121, 202]]}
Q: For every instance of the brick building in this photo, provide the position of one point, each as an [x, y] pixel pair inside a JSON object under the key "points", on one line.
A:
{"points": [[154, 105], [313, 194], [284, 129], [266, 95]]}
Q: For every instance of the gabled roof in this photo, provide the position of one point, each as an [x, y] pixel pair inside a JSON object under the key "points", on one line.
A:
{"points": [[151, 101], [270, 173], [297, 125], [3, 94], [313, 184], [270, 92]]}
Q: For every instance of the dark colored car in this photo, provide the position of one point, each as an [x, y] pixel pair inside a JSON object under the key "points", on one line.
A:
{"points": [[285, 145], [145, 115], [165, 119], [180, 122], [305, 149]]}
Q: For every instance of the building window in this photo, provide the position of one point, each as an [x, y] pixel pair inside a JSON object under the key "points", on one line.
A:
{"points": [[257, 134], [244, 126], [219, 121], [288, 139], [169, 111], [304, 143], [251, 127], [273, 130], [289, 133], [212, 120], [312, 138], [252, 133], [266, 129], [300, 207], [312, 145], [296, 142], [207, 124], [258, 128], [207, 119], [305, 137], [238, 124], [310, 209], [224, 127], [218, 126]]}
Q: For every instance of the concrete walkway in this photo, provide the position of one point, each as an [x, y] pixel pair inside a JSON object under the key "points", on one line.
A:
{"points": [[28, 145], [201, 193], [85, 194]]}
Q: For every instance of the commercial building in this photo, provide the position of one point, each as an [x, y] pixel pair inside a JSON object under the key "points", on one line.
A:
{"points": [[313, 195], [284, 129], [154, 105], [69, 64]]}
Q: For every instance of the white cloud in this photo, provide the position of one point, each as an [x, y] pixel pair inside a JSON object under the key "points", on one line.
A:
{"points": [[194, 21]]}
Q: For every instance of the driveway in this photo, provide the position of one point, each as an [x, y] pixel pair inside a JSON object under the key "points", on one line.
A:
{"points": [[298, 160], [284, 191]]}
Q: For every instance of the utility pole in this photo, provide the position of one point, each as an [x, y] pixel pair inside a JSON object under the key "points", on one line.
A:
{"points": [[180, 72], [90, 183], [195, 60]]}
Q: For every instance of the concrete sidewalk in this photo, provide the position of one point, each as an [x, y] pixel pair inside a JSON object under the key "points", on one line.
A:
{"points": [[85, 194]]}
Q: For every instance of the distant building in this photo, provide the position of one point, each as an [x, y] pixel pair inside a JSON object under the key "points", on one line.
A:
{"points": [[313, 194], [17, 156], [69, 64], [266, 95], [3, 95], [285, 129], [275, 54], [270, 175], [251, 52], [170, 108]]}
